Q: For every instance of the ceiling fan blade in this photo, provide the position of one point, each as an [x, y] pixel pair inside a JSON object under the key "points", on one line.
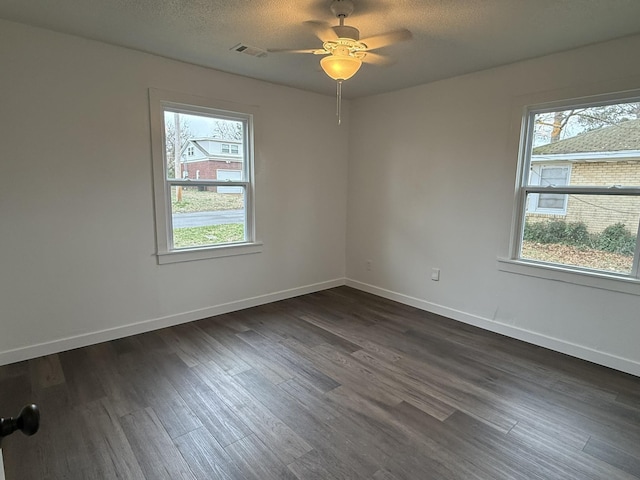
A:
{"points": [[323, 30], [379, 41], [315, 51], [377, 59]]}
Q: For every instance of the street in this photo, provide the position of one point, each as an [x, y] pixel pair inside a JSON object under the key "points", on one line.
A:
{"points": [[202, 219]]}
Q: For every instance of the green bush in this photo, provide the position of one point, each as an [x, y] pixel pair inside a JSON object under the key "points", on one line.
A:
{"points": [[614, 239], [617, 239], [576, 233], [557, 231], [534, 232]]}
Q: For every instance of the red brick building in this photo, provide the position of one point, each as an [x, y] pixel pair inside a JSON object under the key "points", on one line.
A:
{"points": [[212, 158]]}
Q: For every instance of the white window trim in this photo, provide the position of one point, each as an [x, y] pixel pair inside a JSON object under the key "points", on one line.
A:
{"points": [[548, 101], [158, 101], [574, 276]]}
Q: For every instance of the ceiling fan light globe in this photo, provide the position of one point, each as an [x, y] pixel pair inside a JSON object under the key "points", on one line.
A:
{"points": [[340, 67]]}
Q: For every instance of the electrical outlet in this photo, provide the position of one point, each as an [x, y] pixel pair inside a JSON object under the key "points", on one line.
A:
{"points": [[435, 274], [369, 263]]}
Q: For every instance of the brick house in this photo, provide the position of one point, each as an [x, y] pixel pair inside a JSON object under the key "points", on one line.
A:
{"points": [[213, 159], [607, 156]]}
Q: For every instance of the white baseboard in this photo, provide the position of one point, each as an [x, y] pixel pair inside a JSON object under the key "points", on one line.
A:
{"points": [[63, 344], [572, 349], [579, 351]]}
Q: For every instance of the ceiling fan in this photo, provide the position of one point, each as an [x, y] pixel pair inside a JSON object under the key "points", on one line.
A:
{"points": [[344, 50]]}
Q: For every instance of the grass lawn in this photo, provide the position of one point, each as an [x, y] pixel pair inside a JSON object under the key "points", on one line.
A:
{"points": [[209, 235], [196, 201]]}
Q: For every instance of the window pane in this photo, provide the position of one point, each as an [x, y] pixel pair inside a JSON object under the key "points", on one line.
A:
{"points": [[602, 144], [553, 176], [597, 231], [205, 145], [552, 201], [205, 216]]}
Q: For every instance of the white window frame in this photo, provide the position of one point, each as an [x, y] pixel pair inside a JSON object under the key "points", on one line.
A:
{"points": [[161, 101], [627, 283]]}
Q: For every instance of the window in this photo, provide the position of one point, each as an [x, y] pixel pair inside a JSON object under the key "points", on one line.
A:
{"points": [[190, 151], [227, 148], [199, 215], [548, 175], [578, 197]]}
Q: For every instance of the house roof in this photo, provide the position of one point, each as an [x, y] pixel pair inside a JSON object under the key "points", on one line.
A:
{"points": [[202, 148], [207, 155], [214, 139], [621, 137]]}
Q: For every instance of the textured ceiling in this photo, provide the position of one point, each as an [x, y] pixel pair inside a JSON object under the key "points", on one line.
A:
{"points": [[450, 37]]}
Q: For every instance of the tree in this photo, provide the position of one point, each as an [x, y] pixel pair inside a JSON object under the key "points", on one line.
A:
{"points": [[170, 140], [554, 126], [598, 117], [227, 130]]}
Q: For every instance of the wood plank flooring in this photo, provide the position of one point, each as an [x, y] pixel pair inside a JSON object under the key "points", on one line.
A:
{"points": [[338, 384]]}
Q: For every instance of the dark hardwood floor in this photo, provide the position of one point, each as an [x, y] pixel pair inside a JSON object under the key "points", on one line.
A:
{"points": [[338, 384]]}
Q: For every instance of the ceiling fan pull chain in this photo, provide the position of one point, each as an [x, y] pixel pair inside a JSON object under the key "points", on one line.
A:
{"points": [[339, 102]]}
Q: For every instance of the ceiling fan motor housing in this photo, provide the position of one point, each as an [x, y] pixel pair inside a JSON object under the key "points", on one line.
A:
{"points": [[344, 31], [342, 8]]}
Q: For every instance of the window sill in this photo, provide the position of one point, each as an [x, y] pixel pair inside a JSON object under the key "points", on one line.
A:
{"points": [[560, 274], [209, 252]]}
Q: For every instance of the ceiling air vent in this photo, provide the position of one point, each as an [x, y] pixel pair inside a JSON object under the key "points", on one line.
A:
{"points": [[253, 51]]}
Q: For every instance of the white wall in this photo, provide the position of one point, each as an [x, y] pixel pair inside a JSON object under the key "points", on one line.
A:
{"points": [[77, 246], [431, 178], [431, 184]]}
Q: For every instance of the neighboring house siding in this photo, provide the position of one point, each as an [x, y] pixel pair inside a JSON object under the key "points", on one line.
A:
{"points": [[606, 173], [610, 209]]}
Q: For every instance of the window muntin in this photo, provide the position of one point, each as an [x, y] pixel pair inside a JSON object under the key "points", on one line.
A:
{"points": [[579, 194], [196, 212]]}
